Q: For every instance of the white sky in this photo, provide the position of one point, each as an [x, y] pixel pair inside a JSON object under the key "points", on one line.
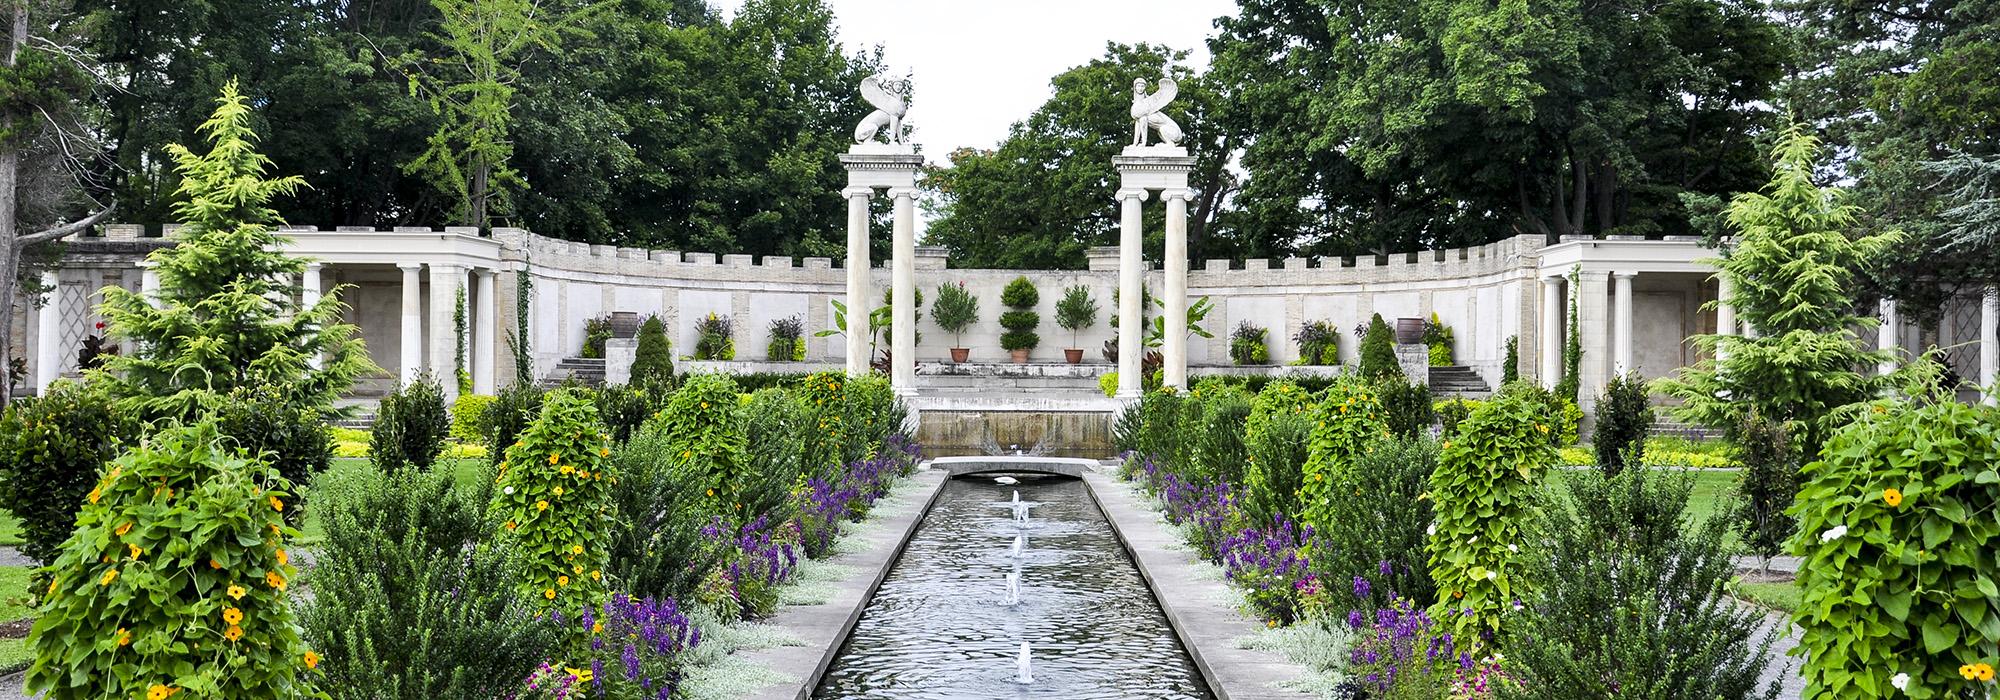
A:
{"points": [[981, 65]]}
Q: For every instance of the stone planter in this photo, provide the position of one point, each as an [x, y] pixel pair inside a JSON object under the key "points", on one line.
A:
{"points": [[1020, 356], [1410, 331], [959, 355], [624, 324], [1074, 355]]}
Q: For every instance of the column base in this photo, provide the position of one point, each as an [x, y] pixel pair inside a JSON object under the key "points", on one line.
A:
{"points": [[904, 392], [1130, 394]]}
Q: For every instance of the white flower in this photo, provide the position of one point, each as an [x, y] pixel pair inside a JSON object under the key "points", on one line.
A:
{"points": [[1837, 532], [1901, 681], [1514, 548], [1431, 531], [509, 490], [1475, 540], [1491, 574]]}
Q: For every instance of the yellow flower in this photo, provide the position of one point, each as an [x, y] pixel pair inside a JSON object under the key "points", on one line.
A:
{"points": [[275, 530], [284, 559], [232, 615], [558, 491], [604, 452], [541, 505], [1893, 497], [553, 458], [576, 548], [122, 529], [1270, 624], [160, 692], [109, 576], [1447, 444], [566, 469], [233, 633], [95, 494], [312, 659], [549, 594], [704, 404], [124, 637], [275, 581], [277, 505], [711, 493], [236, 592], [577, 569], [52, 585], [136, 551], [1968, 672], [562, 580], [1983, 670], [596, 575]]}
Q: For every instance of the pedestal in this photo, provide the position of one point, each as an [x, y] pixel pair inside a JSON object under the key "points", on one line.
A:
{"points": [[1141, 169], [893, 167]]}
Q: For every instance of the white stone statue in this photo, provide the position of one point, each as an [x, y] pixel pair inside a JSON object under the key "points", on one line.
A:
{"points": [[889, 110], [1148, 114]]}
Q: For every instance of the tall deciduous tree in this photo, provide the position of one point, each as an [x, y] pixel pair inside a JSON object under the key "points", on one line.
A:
{"points": [[38, 92], [226, 316], [1793, 268]]}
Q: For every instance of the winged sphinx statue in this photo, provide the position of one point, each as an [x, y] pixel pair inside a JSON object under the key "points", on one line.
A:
{"points": [[889, 110], [1148, 114]]}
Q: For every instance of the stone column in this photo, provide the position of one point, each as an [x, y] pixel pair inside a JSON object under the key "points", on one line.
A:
{"points": [[485, 304], [1553, 321], [1885, 336], [446, 282], [308, 297], [1131, 294], [412, 355], [48, 333], [149, 282], [1621, 312], [858, 331], [1725, 316], [903, 294], [1175, 345], [1594, 326], [1989, 343]]}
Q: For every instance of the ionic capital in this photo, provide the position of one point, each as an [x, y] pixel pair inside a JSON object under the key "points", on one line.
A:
{"points": [[1180, 193], [858, 191], [1138, 193]]}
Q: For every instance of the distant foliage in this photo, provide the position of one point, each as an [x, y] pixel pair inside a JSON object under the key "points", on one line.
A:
{"points": [[657, 548], [1623, 572], [1406, 406], [623, 408], [1770, 482], [778, 425], [52, 449], [1572, 358], [553, 503], [273, 426], [1247, 344], [1378, 351], [955, 310], [596, 332], [1318, 343], [1451, 412], [1438, 341], [411, 602], [410, 426], [1624, 416], [1076, 311], [1896, 528], [1219, 449], [1484, 495], [653, 359], [174, 580]]}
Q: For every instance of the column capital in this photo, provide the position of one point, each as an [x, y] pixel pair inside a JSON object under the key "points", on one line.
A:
{"points": [[409, 266], [1554, 278], [1626, 274], [311, 266], [1138, 193], [147, 264], [1172, 193], [485, 272], [897, 192], [447, 268], [858, 191]]}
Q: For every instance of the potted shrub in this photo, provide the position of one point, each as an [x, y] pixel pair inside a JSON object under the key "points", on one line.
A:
{"points": [[1246, 344], [1438, 341], [955, 310], [1020, 321], [788, 342], [715, 339], [1318, 344], [1074, 312]]}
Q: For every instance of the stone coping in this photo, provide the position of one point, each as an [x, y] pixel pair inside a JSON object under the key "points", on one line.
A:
{"points": [[1198, 608], [824, 628], [954, 467]]}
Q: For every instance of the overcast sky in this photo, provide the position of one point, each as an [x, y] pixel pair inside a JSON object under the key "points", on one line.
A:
{"points": [[981, 65]]}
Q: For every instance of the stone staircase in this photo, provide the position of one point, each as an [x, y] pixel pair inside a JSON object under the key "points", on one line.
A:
{"points": [[1012, 387], [582, 370], [1458, 380], [1665, 426]]}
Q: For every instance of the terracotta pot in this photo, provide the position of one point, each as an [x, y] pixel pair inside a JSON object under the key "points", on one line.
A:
{"points": [[1410, 331], [1074, 355], [959, 354], [1020, 356]]}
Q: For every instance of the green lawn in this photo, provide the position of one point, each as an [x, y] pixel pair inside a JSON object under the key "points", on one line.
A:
{"points": [[1782, 595], [14, 606]]}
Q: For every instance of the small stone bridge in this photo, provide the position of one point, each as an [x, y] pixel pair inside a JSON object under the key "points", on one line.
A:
{"points": [[954, 467]]}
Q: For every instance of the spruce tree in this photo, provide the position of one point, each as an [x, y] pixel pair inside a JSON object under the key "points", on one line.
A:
{"points": [[226, 316], [1792, 266], [1378, 351]]}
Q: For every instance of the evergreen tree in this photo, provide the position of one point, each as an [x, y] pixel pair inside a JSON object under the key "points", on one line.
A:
{"points": [[653, 361], [226, 315], [1793, 268], [1378, 351]]}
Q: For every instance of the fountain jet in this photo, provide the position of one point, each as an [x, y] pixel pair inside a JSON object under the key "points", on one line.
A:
{"points": [[1013, 588], [1020, 544], [1023, 671]]}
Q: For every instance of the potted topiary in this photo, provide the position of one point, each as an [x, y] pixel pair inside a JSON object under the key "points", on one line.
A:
{"points": [[954, 310], [1020, 338], [1074, 312]]}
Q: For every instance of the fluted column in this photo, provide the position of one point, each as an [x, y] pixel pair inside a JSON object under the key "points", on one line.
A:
{"points": [[1725, 316], [412, 348], [903, 293], [1886, 336], [308, 297], [1131, 294], [1174, 345], [48, 333], [1621, 312], [1989, 343], [858, 331], [484, 318], [1553, 318]]}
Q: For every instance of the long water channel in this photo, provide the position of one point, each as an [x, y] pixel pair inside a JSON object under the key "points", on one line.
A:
{"points": [[948, 623]]}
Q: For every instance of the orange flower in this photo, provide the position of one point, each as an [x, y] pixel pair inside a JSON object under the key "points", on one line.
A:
{"points": [[213, 564], [597, 627], [233, 633], [236, 592], [1893, 497], [312, 659], [277, 505], [232, 615], [275, 581], [109, 576], [122, 529], [95, 494], [124, 637], [283, 558], [510, 524]]}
